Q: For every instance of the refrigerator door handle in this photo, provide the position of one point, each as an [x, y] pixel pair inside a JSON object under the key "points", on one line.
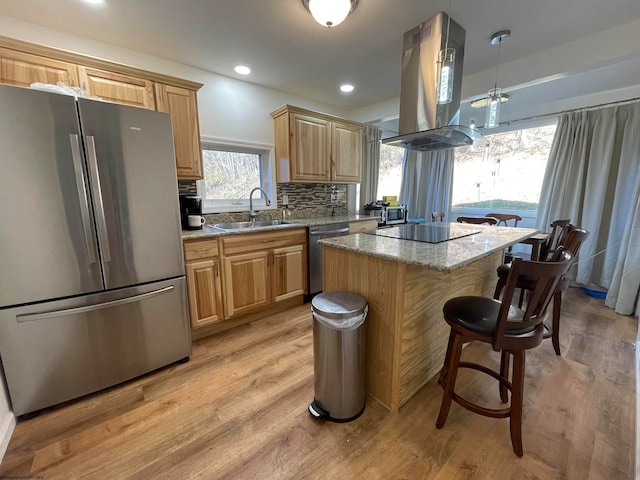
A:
{"points": [[90, 308], [82, 196], [101, 222]]}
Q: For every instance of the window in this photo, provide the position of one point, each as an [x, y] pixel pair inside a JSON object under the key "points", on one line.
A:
{"points": [[390, 173], [506, 176], [231, 171]]}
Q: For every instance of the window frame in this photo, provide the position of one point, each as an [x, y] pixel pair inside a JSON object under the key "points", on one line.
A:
{"points": [[267, 174], [529, 217]]}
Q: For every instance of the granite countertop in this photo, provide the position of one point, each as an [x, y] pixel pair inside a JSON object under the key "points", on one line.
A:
{"points": [[445, 256], [209, 231]]}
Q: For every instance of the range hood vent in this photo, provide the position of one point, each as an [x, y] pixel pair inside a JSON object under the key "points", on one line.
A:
{"points": [[424, 124]]}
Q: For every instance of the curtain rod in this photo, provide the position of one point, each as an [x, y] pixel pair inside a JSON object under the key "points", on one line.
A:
{"points": [[556, 114]]}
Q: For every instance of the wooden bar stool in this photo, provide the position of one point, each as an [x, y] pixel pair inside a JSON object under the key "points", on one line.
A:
{"points": [[509, 330], [571, 241], [477, 220], [505, 218]]}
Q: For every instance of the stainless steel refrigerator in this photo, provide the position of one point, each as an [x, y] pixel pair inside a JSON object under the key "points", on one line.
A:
{"points": [[92, 286]]}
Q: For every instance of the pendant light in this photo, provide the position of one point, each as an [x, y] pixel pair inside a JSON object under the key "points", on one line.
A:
{"points": [[494, 97], [446, 64], [330, 13]]}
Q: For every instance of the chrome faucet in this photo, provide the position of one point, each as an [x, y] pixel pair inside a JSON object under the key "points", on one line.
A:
{"points": [[252, 213]]}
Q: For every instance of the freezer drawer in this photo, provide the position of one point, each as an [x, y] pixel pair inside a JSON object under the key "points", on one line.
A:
{"points": [[57, 351]]}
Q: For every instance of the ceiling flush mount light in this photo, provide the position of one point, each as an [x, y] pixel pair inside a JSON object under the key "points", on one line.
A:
{"points": [[330, 13], [242, 70], [94, 2], [494, 97], [346, 88]]}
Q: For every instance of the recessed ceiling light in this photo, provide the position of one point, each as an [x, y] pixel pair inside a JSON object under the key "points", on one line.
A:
{"points": [[346, 88], [94, 2], [242, 70]]}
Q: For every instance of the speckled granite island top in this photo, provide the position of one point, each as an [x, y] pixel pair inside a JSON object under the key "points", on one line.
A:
{"points": [[445, 256], [209, 231]]}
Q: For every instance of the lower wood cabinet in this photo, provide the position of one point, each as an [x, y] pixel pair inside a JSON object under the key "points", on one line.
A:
{"points": [[204, 287], [234, 275], [262, 269], [246, 282], [288, 272]]}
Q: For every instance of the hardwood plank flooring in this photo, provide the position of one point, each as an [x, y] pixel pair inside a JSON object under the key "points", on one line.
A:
{"points": [[237, 410]]}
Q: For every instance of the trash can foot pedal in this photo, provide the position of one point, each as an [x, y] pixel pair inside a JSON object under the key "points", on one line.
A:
{"points": [[316, 411], [320, 413]]}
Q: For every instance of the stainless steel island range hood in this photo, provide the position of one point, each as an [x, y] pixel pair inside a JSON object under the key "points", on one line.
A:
{"points": [[425, 124]]}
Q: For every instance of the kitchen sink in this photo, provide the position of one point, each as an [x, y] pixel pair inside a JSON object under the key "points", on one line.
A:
{"points": [[247, 225]]}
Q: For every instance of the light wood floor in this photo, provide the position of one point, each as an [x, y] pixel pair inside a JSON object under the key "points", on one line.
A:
{"points": [[237, 410]]}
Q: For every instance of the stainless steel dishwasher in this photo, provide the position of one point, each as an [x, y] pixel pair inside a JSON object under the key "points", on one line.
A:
{"points": [[315, 251]]}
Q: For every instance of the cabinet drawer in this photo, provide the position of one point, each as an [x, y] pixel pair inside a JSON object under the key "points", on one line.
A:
{"points": [[200, 249], [260, 241]]}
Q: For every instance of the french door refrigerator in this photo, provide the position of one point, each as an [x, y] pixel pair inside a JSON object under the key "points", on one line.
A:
{"points": [[92, 286]]}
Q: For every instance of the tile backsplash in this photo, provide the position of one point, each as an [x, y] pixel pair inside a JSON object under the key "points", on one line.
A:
{"points": [[305, 200]]}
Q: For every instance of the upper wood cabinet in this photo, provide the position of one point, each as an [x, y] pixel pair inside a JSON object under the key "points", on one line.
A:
{"points": [[117, 88], [316, 148], [22, 69], [22, 64], [346, 152], [182, 104]]}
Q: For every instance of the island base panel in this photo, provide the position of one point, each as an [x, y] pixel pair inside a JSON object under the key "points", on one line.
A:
{"points": [[406, 333]]}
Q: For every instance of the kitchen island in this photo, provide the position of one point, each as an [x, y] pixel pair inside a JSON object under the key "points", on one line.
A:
{"points": [[406, 284]]}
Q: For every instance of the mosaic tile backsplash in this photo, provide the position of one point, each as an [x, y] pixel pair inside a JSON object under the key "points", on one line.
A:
{"points": [[305, 201]]}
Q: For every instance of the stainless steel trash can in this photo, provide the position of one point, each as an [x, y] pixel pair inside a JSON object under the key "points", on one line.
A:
{"points": [[338, 356]]}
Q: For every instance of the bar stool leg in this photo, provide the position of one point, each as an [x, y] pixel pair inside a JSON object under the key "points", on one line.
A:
{"points": [[499, 286], [443, 372], [555, 334], [504, 373], [450, 381], [517, 394]]}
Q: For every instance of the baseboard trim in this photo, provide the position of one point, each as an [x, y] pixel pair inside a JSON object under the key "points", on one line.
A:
{"points": [[8, 425]]}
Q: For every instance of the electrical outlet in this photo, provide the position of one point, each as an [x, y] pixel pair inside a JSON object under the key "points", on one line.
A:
{"points": [[334, 197], [285, 199]]}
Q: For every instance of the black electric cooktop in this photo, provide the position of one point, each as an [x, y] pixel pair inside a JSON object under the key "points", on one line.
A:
{"points": [[426, 233]]}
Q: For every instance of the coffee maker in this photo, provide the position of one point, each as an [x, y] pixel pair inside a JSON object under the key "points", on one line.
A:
{"points": [[190, 205]]}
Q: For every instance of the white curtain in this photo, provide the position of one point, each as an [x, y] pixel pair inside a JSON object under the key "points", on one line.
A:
{"points": [[370, 165], [593, 177], [427, 180]]}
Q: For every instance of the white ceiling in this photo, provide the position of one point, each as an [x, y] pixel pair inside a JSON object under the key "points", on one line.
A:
{"points": [[287, 50]]}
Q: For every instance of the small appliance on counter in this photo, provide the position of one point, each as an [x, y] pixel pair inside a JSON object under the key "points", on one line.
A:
{"points": [[385, 213], [191, 212], [375, 209]]}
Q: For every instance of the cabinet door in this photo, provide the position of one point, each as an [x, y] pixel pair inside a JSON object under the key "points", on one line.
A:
{"points": [[204, 292], [182, 105], [346, 152], [246, 282], [117, 88], [22, 69], [288, 274], [310, 148]]}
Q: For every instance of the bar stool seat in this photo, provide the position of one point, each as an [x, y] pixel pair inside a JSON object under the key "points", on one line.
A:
{"points": [[480, 314]]}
